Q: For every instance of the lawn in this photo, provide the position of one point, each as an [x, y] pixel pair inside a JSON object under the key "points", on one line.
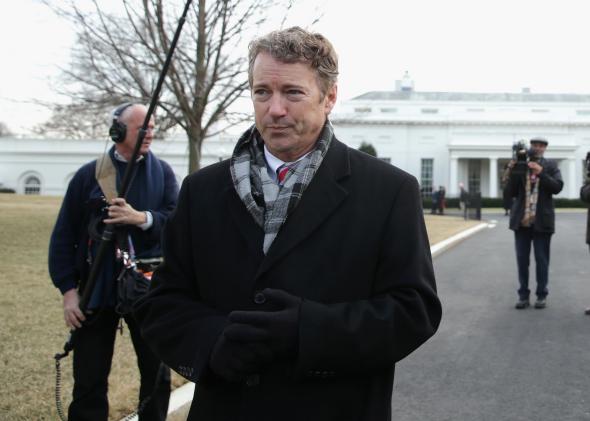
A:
{"points": [[32, 329]]}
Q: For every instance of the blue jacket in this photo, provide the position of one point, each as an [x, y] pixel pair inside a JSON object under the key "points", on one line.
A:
{"points": [[154, 188]]}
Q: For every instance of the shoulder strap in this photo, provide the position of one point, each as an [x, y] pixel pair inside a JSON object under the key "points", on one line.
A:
{"points": [[106, 176]]}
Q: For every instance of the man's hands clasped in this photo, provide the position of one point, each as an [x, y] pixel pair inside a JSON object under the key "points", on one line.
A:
{"points": [[253, 339]]}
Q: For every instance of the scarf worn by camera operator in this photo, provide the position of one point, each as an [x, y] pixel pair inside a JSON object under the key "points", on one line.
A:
{"points": [[530, 200], [267, 202]]}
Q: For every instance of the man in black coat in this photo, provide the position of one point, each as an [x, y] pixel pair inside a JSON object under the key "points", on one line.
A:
{"points": [[585, 196], [298, 272], [533, 182]]}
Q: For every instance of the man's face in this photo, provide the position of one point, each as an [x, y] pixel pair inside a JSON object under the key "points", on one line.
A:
{"points": [[288, 108], [134, 121], [538, 148]]}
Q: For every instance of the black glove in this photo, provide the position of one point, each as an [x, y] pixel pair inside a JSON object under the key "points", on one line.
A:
{"points": [[279, 328], [245, 354]]}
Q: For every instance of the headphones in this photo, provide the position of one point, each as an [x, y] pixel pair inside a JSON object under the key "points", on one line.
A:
{"points": [[118, 130]]}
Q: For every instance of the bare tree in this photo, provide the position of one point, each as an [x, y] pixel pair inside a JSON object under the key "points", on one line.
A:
{"points": [[75, 121], [4, 130], [118, 56]]}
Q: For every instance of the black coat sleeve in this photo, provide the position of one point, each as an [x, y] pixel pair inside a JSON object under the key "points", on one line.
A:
{"points": [[585, 192], [550, 178], [174, 321], [403, 312]]}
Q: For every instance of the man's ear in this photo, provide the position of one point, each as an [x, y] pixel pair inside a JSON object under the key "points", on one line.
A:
{"points": [[330, 98]]}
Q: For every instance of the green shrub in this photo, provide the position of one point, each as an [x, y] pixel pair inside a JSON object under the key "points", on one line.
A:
{"points": [[569, 203], [496, 202]]}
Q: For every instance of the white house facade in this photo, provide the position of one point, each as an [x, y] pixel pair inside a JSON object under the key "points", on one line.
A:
{"points": [[45, 166], [447, 138], [442, 138]]}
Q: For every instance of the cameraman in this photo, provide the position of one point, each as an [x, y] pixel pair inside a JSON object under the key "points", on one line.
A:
{"points": [[150, 198], [585, 196], [532, 183]]}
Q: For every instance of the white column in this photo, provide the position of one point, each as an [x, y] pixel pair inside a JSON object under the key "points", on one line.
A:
{"points": [[493, 177], [572, 180], [453, 188]]}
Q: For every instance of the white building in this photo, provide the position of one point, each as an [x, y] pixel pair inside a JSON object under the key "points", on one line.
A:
{"points": [[45, 166], [442, 138]]}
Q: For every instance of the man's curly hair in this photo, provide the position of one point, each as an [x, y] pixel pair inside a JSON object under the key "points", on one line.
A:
{"points": [[296, 45]]}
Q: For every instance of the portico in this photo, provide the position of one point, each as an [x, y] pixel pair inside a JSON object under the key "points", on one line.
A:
{"points": [[447, 138], [481, 169]]}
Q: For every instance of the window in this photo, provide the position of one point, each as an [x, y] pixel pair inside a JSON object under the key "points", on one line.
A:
{"points": [[426, 170], [384, 159], [32, 185], [389, 110], [362, 110], [583, 112], [474, 176], [539, 110], [429, 110]]}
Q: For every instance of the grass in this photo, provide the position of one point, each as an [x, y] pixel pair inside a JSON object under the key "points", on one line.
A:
{"points": [[441, 227], [33, 330]]}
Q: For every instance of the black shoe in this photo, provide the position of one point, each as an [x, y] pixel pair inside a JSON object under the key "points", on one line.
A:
{"points": [[540, 303], [522, 304], [587, 312]]}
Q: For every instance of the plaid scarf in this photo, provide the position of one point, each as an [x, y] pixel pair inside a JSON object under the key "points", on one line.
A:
{"points": [[530, 201], [267, 202]]}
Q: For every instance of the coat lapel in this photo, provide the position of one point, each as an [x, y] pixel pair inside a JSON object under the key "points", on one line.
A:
{"points": [[252, 234], [321, 198]]}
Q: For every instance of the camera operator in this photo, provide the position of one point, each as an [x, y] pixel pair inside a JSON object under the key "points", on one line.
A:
{"points": [[140, 218], [585, 196], [532, 183]]}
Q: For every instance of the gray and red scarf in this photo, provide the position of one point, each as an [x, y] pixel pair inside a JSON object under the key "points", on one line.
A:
{"points": [[269, 203]]}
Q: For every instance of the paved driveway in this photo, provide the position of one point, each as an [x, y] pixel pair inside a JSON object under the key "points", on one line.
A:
{"points": [[489, 361]]}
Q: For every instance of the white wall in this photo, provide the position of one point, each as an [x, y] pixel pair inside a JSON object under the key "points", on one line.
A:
{"points": [[54, 161]]}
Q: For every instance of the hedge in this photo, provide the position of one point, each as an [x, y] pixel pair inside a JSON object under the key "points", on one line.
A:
{"points": [[496, 202]]}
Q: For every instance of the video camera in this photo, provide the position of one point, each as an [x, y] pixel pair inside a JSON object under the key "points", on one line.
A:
{"points": [[520, 152], [522, 156]]}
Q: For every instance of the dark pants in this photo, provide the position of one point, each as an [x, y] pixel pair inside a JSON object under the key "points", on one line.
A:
{"points": [[541, 242], [93, 353]]}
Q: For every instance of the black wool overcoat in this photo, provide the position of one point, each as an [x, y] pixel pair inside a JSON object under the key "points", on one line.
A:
{"points": [[355, 249], [550, 183], [585, 196]]}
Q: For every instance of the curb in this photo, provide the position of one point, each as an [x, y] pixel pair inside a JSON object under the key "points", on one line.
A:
{"points": [[178, 398], [184, 394], [447, 243]]}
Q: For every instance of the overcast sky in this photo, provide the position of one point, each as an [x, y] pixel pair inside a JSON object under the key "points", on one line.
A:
{"points": [[445, 45]]}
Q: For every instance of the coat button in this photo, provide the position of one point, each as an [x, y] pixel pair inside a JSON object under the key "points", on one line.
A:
{"points": [[259, 298], [253, 380]]}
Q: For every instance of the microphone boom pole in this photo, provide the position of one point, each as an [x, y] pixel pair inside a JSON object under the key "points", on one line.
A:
{"points": [[108, 232]]}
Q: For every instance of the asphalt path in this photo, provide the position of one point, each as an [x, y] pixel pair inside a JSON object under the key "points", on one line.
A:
{"points": [[489, 361]]}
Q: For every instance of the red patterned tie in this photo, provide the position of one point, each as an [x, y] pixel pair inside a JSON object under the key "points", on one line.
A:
{"points": [[282, 173]]}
